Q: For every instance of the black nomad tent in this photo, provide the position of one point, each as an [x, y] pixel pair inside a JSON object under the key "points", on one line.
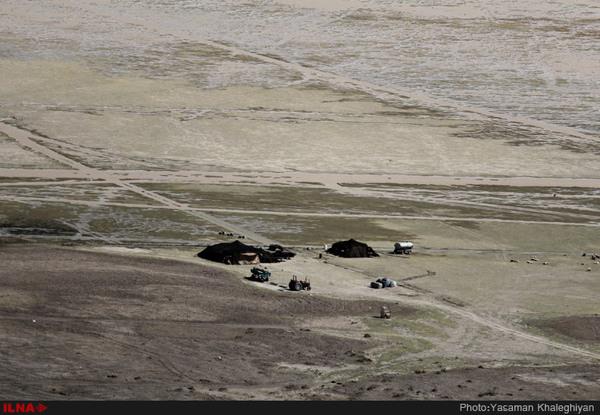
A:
{"points": [[235, 253], [352, 249]]}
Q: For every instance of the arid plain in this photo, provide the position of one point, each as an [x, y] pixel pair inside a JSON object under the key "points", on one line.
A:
{"points": [[135, 133]]}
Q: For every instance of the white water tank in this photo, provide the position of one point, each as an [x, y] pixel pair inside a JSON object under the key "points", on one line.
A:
{"points": [[403, 245]]}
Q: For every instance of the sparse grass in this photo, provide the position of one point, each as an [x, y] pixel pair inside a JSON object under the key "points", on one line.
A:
{"points": [[407, 335], [294, 230], [323, 200], [46, 219], [152, 224], [569, 330], [146, 224], [84, 192], [424, 323]]}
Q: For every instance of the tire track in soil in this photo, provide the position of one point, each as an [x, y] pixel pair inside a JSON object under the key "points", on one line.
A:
{"points": [[25, 139]]}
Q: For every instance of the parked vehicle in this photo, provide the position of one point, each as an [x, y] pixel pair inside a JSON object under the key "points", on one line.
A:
{"points": [[384, 283], [259, 274], [298, 285], [403, 247]]}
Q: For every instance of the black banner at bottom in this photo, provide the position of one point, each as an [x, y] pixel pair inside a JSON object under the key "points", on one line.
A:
{"points": [[195, 407]]}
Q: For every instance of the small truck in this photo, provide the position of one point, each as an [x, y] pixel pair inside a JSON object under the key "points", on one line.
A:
{"points": [[403, 247]]}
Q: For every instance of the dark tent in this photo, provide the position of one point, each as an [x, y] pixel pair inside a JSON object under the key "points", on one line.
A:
{"points": [[236, 253], [352, 249], [280, 252]]}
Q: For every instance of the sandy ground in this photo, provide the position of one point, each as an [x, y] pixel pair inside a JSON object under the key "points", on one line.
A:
{"points": [[188, 129]]}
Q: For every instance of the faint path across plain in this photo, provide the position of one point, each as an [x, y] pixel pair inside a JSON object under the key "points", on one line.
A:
{"points": [[294, 213], [25, 140], [295, 178]]}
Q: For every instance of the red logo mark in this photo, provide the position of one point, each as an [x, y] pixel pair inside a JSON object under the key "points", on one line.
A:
{"points": [[23, 408]]}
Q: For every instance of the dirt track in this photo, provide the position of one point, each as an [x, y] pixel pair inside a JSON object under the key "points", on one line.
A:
{"points": [[77, 328], [24, 138], [81, 325], [583, 328]]}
